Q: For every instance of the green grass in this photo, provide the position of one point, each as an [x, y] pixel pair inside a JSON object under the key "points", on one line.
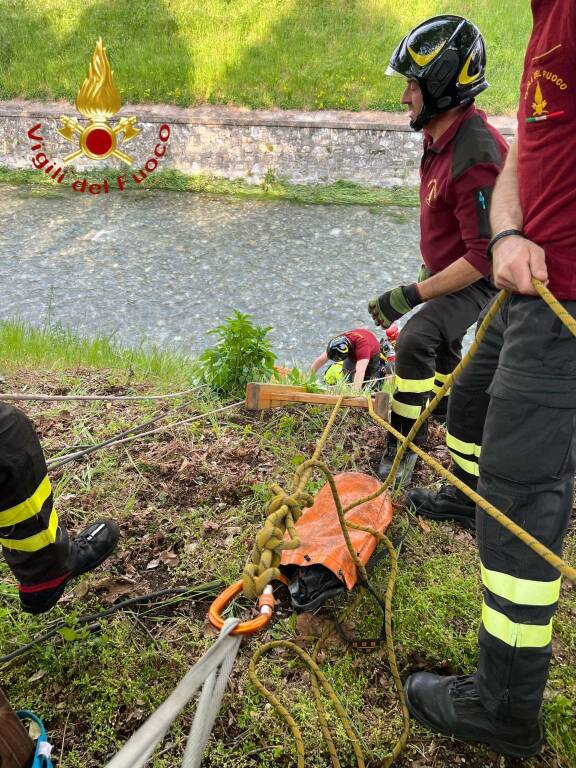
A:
{"points": [[56, 347], [202, 493], [310, 54], [339, 193]]}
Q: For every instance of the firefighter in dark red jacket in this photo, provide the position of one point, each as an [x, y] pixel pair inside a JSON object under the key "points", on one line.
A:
{"points": [[443, 60], [359, 351], [38, 549], [527, 362]]}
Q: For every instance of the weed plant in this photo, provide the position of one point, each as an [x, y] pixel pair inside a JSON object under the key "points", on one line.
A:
{"points": [[243, 353]]}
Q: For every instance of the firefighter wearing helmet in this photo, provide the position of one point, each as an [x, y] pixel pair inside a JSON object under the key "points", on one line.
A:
{"points": [[354, 355], [443, 60]]}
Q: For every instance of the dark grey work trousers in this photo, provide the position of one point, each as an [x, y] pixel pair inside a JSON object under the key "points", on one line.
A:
{"points": [[521, 386]]}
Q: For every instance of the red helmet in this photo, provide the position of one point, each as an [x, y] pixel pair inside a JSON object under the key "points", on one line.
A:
{"points": [[392, 333]]}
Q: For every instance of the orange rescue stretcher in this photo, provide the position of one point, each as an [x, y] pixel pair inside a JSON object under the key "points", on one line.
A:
{"points": [[321, 565]]}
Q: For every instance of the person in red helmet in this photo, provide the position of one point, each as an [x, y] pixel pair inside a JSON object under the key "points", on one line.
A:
{"points": [[518, 395], [358, 351], [443, 61]]}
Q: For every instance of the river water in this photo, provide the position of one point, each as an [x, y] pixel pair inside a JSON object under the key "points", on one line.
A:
{"points": [[167, 267]]}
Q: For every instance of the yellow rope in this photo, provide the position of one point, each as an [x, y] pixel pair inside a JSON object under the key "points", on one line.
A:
{"points": [[560, 311], [285, 511], [304, 471], [282, 514], [285, 714], [405, 442], [381, 538]]}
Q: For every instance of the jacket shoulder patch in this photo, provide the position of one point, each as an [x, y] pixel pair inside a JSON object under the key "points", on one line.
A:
{"points": [[474, 144]]}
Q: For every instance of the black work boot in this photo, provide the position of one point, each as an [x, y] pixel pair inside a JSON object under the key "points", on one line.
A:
{"points": [[446, 504], [451, 705], [92, 546], [406, 468]]}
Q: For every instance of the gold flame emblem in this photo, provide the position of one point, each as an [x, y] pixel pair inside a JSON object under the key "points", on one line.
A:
{"points": [[539, 104], [98, 100]]}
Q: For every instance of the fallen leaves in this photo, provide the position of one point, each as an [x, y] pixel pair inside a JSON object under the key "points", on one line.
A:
{"points": [[37, 676], [114, 587], [423, 525], [169, 558]]}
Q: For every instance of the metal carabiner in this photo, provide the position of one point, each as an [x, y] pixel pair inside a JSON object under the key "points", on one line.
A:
{"points": [[266, 602]]}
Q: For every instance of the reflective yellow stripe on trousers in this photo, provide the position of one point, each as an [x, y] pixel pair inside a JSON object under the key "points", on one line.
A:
{"points": [[37, 541], [402, 409], [521, 591], [468, 466], [469, 449], [27, 508], [516, 635], [417, 386]]}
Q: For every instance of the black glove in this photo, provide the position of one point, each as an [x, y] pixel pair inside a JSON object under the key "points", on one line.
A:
{"points": [[386, 309]]}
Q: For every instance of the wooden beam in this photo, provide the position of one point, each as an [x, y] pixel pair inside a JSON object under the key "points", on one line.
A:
{"points": [[262, 396], [16, 747]]}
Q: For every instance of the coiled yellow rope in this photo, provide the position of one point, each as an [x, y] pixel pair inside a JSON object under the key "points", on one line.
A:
{"points": [[285, 510]]}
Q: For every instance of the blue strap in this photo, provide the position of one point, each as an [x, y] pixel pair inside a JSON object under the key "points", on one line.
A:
{"points": [[41, 759]]}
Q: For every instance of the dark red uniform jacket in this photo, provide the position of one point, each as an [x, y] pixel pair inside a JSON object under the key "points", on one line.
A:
{"points": [[364, 344], [547, 143], [457, 174]]}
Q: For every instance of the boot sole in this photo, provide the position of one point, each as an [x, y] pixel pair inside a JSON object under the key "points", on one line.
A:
{"points": [[502, 747]]}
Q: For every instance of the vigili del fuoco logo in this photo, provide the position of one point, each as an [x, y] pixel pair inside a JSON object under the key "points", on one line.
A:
{"points": [[97, 101]]}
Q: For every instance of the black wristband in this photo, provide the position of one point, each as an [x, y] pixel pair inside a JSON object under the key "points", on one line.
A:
{"points": [[411, 295], [500, 236]]}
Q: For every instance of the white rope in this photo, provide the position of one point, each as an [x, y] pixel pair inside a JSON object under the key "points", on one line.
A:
{"points": [[31, 396], [138, 749], [61, 460], [207, 711]]}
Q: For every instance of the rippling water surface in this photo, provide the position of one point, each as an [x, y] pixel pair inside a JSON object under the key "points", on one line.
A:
{"points": [[167, 267]]}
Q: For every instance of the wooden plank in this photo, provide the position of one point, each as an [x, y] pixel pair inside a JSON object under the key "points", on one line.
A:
{"points": [[382, 405], [16, 747], [319, 398], [262, 396]]}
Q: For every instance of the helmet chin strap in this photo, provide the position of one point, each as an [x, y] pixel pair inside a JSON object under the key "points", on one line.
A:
{"points": [[421, 119]]}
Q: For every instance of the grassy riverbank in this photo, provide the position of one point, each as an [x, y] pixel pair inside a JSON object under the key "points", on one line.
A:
{"points": [[306, 54], [190, 501], [339, 193]]}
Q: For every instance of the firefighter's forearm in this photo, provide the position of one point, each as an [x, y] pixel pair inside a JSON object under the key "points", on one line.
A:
{"points": [[455, 277], [319, 362], [361, 366], [505, 210]]}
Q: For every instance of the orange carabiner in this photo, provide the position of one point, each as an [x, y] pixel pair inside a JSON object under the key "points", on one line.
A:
{"points": [[266, 603]]}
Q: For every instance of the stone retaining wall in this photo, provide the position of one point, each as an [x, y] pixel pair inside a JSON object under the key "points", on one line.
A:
{"points": [[374, 148]]}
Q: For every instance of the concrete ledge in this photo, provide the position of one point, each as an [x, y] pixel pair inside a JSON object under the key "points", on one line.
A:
{"points": [[317, 147], [209, 114]]}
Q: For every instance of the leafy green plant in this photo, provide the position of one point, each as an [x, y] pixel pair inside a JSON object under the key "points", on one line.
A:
{"points": [[242, 353], [295, 377], [270, 180]]}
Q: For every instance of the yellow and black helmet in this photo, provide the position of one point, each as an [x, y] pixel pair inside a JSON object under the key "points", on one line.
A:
{"points": [[338, 348], [447, 58]]}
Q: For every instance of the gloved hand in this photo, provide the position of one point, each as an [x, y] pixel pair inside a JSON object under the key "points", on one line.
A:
{"points": [[386, 309]]}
